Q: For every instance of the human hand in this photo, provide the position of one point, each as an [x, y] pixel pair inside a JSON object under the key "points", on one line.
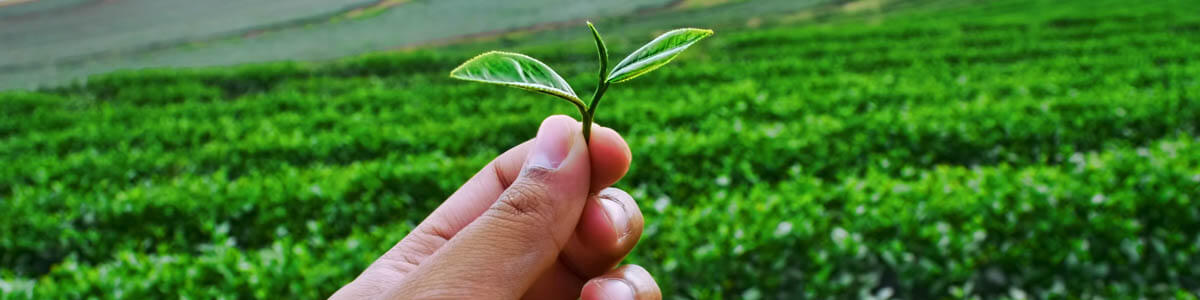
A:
{"points": [[538, 222]]}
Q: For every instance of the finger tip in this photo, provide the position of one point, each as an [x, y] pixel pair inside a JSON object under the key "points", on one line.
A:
{"points": [[562, 121], [633, 222], [606, 289], [595, 228], [635, 283], [619, 143], [611, 157], [641, 280], [560, 118], [611, 224]]}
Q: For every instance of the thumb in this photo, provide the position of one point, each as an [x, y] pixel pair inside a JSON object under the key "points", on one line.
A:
{"points": [[503, 251]]}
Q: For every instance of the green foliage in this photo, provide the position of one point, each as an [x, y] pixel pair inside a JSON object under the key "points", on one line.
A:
{"points": [[656, 53], [1013, 149], [521, 71], [515, 70]]}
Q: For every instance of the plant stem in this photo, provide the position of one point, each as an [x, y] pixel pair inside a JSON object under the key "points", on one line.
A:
{"points": [[601, 84], [587, 127], [590, 113]]}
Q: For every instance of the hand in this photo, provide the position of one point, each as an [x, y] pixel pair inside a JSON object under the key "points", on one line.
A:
{"points": [[538, 222]]}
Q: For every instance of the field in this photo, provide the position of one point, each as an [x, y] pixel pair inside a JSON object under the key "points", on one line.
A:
{"points": [[51, 42], [51, 31], [941, 150]]}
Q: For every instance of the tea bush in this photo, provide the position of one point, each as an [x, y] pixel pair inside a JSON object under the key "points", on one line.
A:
{"points": [[1002, 149]]}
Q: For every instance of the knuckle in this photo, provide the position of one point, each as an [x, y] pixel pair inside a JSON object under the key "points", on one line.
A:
{"points": [[527, 202], [536, 174]]}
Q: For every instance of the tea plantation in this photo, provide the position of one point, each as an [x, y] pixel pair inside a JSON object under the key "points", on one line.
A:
{"points": [[991, 149]]}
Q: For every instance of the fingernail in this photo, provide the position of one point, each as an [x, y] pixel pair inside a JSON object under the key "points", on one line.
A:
{"points": [[616, 215], [552, 144], [617, 289]]}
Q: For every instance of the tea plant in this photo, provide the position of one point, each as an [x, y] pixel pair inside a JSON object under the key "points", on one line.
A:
{"points": [[1044, 149], [521, 71]]}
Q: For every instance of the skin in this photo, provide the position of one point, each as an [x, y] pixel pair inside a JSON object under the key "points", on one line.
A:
{"points": [[539, 222]]}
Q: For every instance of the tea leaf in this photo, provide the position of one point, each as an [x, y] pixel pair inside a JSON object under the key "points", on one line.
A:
{"points": [[515, 70], [656, 53], [601, 50]]}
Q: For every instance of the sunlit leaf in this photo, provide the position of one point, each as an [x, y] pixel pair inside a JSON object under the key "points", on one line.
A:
{"points": [[515, 70], [656, 53]]}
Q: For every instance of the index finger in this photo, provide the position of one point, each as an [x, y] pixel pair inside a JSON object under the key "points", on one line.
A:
{"points": [[609, 155], [609, 152]]}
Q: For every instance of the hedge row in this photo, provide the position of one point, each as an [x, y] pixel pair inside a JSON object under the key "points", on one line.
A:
{"points": [[179, 215], [1121, 223], [1118, 223], [938, 154], [974, 133]]}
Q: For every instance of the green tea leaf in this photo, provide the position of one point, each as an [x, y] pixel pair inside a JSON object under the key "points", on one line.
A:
{"points": [[515, 70], [601, 50], [656, 53]]}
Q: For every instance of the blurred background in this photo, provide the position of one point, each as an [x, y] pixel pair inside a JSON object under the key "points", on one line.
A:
{"points": [[811, 149]]}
